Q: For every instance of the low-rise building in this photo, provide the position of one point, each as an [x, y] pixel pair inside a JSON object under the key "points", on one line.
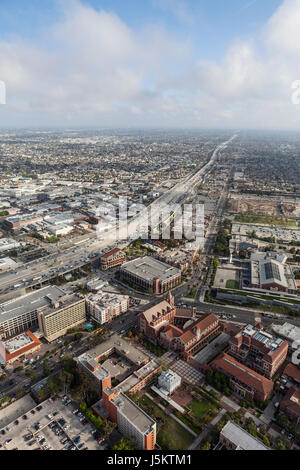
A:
{"points": [[290, 404], [245, 382], [234, 437], [169, 381], [7, 244], [112, 258], [19, 347]]}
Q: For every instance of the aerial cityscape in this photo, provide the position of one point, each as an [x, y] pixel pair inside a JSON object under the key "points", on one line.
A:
{"points": [[149, 270]]}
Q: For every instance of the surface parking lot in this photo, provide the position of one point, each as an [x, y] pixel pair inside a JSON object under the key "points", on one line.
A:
{"points": [[52, 425]]}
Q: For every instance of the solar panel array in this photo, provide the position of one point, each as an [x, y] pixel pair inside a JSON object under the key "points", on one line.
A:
{"points": [[272, 271]]}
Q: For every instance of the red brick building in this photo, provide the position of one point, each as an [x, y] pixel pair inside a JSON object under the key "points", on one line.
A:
{"points": [[243, 381], [290, 404], [259, 350], [189, 341], [177, 328], [292, 372], [113, 258]]}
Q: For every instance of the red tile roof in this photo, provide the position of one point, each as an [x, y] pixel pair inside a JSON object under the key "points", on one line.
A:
{"points": [[110, 253], [292, 371], [291, 401], [243, 373]]}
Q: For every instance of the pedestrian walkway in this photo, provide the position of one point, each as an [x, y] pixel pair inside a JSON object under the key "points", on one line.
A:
{"points": [[183, 425], [187, 372]]}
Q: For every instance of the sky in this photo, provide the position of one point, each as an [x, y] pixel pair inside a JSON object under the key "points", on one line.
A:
{"points": [[152, 63]]}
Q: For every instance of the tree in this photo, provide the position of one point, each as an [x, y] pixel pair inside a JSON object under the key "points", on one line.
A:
{"points": [[123, 444], [205, 445], [108, 428], [46, 368]]}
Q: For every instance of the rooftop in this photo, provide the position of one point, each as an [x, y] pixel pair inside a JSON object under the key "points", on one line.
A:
{"points": [[150, 268], [120, 345], [134, 413], [37, 300], [241, 438]]}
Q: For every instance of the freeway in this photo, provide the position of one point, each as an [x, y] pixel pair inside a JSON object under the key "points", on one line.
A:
{"points": [[62, 262]]}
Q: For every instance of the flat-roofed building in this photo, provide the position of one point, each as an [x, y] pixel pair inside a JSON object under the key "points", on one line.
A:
{"points": [[234, 437], [121, 347], [169, 381], [104, 306], [60, 316], [112, 258], [8, 244], [21, 314], [150, 274], [19, 347], [244, 381], [287, 331], [259, 350], [132, 421]]}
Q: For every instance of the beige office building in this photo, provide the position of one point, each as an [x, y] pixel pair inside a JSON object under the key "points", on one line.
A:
{"points": [[61, 316]]}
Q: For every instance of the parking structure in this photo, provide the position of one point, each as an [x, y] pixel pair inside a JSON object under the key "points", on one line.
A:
{"points": [[55, 424]]}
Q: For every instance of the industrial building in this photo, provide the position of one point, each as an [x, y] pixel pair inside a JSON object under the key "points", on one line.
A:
{"points": [[150, 274]]}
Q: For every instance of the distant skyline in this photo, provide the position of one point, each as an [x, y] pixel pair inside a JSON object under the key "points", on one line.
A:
{"points": [[151, 63]]}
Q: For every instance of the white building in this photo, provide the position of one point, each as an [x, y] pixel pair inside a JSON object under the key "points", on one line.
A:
{"points": [[104, 306], [7, 263], [169, 381], [8, 244]]}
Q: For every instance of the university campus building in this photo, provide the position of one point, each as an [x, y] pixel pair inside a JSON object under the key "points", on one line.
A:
{"points": [[259, 350], [245, 382]]}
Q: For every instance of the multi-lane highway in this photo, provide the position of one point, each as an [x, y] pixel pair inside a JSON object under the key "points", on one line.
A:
{"points": [[67, 260]]}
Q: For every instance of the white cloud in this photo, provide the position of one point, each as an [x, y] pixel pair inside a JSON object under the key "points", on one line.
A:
{"points": [[91, 68]]}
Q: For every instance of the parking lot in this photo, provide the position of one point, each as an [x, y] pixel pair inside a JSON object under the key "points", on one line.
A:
{"points": [[52, 425]]}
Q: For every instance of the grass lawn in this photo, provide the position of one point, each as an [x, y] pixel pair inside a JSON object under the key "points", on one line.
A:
{"points": [[170, 435], [200, 408], [232, 284], [263, 219]]}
